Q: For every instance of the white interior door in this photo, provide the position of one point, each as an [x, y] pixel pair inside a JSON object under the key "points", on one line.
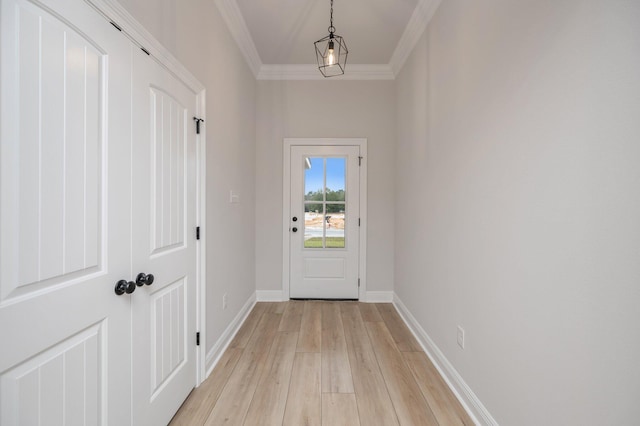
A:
{"points": [[64, 218], [164, 243], [324, 222]]}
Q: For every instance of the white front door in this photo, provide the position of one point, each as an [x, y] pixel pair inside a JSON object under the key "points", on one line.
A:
{"points": [[64, 220], [164, 241], [324, 222]]}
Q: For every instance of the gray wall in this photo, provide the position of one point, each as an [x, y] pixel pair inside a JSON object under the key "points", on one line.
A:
{"points": [[321, 109], [197, 36], [518, 163]]}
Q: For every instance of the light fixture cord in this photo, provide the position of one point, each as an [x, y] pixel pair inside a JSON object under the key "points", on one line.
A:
{"points": [[332, 29]]}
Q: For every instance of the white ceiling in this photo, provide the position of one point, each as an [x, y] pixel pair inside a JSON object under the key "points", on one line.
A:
{"points": [[276, 36], [283, 31]]}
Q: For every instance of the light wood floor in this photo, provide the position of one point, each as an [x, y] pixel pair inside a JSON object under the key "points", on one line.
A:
{"points": [[323, 363]]}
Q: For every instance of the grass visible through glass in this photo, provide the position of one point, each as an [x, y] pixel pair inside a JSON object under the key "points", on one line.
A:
{"points": [[332, 242]]}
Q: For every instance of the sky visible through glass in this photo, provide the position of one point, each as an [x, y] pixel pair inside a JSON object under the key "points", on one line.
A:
{"points": [[335, 174]]}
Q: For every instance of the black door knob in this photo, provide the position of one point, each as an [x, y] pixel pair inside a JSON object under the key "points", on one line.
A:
{"points": [[124, 286], [294, 229], [295, 219], [143, 279]]}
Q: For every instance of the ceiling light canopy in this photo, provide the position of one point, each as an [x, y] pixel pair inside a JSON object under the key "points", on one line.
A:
{"points": [[331, 52]]}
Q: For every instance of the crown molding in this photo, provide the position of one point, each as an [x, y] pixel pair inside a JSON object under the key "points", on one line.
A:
{"points": [[310, 72], [238, 27], [425, 9], [114, 12]]}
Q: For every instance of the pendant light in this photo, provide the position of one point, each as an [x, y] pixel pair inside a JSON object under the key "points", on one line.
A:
{"points": [[331, 52]]}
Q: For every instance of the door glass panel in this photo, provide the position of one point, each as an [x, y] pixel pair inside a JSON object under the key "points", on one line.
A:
{"points": [[336, 177], [325, 202], [313, 179], [313, 226], [335, 225]]}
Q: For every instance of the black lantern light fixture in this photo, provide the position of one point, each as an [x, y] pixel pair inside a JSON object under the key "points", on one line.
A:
{"points": [[331, 52]]}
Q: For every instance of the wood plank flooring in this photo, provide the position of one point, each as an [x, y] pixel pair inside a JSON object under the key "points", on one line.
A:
{"points": [[326, 364]]}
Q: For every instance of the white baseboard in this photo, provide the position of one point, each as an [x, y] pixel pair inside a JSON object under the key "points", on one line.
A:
{"points": [[378, 297], [270, 296], [370, 296], [456, 383], [213, 356]]}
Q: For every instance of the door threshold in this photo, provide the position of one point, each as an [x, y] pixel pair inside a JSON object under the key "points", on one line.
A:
{"points": [[323, 299]]}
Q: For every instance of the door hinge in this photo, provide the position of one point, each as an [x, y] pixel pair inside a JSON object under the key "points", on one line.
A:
{"points": [[198, 338], [360, 161], [198, 121], [117, 27], [145, 51], [358, 282], [197, 232], [358, 221]]}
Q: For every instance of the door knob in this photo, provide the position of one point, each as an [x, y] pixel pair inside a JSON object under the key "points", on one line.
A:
{"points": [[143, 279], [294, 229], [124, 286]]}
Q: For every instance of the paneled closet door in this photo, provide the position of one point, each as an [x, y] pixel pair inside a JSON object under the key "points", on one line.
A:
{"points": [[164, 244], [65, 217]]}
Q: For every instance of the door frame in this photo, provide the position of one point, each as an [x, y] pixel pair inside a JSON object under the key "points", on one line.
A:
{"points": [[286, 206], [201, 245], [116, 13]]}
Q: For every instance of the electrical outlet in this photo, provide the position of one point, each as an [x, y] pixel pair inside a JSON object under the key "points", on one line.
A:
{"points": [[224, 301], [461, 337]]}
